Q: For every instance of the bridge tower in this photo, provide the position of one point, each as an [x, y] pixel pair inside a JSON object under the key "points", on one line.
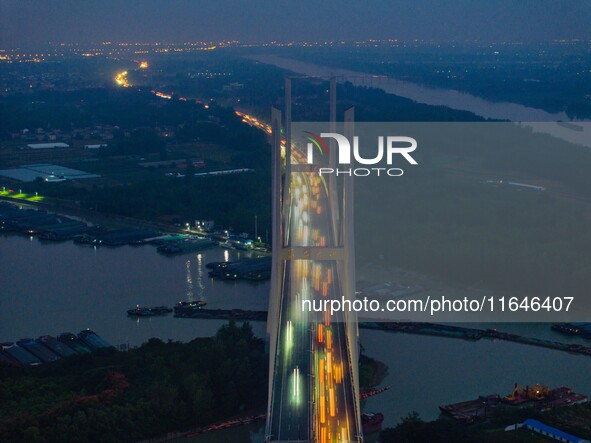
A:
{"points": [[313, 365]]}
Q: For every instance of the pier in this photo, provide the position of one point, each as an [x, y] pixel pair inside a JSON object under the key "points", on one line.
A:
{"points": [[433, 329]]}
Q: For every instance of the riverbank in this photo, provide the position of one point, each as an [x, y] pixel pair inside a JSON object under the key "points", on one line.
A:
{"points": [[54, 287], [136, 394], [186, 384], [497, 429], [68, 208]]}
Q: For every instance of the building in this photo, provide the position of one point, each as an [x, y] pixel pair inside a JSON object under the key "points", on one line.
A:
{"points": [[47, 145], [206, 225], [549, 431]]}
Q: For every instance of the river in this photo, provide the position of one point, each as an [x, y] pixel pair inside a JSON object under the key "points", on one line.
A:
{"points": [[48, 288], [51, 287], [538, 119]]}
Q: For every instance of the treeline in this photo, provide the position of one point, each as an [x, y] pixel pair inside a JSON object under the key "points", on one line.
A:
{"points": [[126, 108], [412, 429], [231, 200], [555, 79], [111, 396]]}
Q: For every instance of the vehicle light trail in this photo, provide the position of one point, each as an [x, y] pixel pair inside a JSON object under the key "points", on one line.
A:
{"points": [[312, 396]]}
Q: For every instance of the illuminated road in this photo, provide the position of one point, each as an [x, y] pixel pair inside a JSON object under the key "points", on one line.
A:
{"points": [[122, 80], [313, 398], [313, 394]]}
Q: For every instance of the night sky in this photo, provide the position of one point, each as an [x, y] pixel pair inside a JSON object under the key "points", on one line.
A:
{"points": [[30, 23]]}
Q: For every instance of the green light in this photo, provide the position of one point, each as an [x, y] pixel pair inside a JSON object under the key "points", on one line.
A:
{"points": [[289, 336], [296, 397]]}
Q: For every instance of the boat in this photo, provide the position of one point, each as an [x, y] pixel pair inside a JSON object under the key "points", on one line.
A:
{"points": [[190, 304], [536, 396], [566, 329], [149, 311], [561, 396], [472, 411], [254, 269], [187, 308], [582, 329], [185, 245], [521, 395]]}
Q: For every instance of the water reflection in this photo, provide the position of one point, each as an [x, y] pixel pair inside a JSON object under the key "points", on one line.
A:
{"points": [[75, 289], [189, 280], [87, 287], [448, 97], [200, 285]]}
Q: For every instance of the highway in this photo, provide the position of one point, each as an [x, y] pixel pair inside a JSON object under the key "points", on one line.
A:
{"points": [[313, 400], [312, 393], [312, 367], [122, 80]]}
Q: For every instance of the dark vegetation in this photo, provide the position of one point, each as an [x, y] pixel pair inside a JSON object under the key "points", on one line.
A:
{"points": [[128, 189], [548, 76], [412, 429], [434, 219], [371, 371], [232, 201], [112, 396]]}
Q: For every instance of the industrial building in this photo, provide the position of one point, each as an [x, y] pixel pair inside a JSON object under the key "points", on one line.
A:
{"points": [[549, 431]]}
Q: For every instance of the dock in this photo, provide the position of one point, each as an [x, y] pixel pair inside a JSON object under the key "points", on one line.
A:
{"points": [[441, 330], [433, 329], [253, 269]]}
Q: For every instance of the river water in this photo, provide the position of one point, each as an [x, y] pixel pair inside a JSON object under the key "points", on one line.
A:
{"points": [[538, 120], [48, 288]]}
